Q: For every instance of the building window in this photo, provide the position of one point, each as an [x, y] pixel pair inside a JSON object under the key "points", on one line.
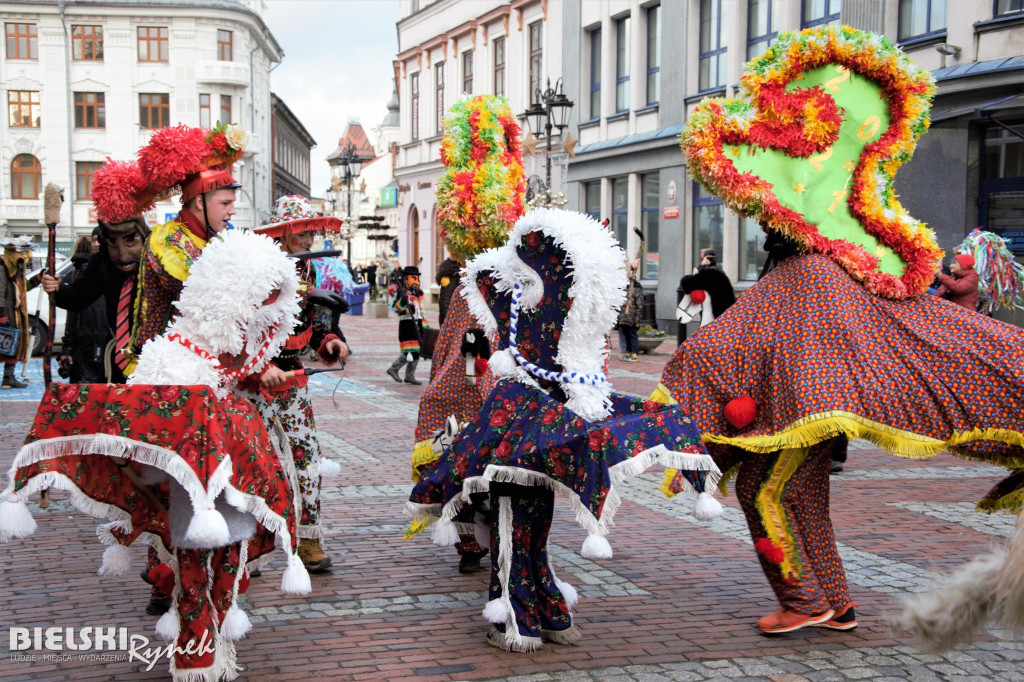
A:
{"points": [[23, 108], [714, 25], [708, 216], [762, 27], [653, 54], [1001, 190], [153, 44], [439, 94], [650, 205], [154, 111], [204, 111], [87, 43], [620, 206], [595, 74], [752, 253], [820, 12], [225, 49], [592, 199], [467, 72], [499, 66], [90, 110], [83, 178], [414, 83], [22, 41], [225, 109], [622, 65], [536, 59], [921, 18], [1009, 6], [26, 177]]}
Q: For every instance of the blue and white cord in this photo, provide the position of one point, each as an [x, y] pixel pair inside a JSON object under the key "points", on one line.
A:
{"points": [[540, 372]]}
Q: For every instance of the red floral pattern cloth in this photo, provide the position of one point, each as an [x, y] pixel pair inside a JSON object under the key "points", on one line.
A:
{"points": [[162, 425], [821, 356]]}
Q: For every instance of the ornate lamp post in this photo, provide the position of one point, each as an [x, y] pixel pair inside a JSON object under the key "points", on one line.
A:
{"points": [[550, 110], [350, 164]]}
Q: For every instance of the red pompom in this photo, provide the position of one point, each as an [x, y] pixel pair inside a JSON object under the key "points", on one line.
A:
{"points": [[770, 551], [480, 366], [114, 190], [219, 143], [162, 578], [172, 154], [740, 412], [698, 295]]}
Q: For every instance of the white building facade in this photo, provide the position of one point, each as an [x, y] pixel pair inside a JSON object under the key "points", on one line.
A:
{"points": [[448, 48], [88, 80]]}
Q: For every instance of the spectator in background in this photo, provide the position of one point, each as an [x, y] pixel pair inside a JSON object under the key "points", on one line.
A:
{"points": [[86, 331], [631, 314], [371, 278], [960, 286], [96, 239], [448, 279]]}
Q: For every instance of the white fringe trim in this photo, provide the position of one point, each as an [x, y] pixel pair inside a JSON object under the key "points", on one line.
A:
{"points": [[117, 560]]}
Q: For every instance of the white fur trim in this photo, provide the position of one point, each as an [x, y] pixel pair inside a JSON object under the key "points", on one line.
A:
{"points": [[15, 519], [117, 560], [169, 625], [296, 579], [707, 507], [497, 611], [329, 468], [236, 624], [502, 364], [596, 547], [491, 261], [208, 528], [444, 533], [568, 591]]}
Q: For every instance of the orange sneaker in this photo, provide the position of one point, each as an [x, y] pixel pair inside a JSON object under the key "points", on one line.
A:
{"points": [[785, 620], [845, 619]]}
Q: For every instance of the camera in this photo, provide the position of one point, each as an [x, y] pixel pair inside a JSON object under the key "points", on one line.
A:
{"points": [[68, 370]]}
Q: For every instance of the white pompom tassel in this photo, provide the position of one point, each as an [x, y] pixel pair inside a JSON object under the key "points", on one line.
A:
{"points": [[15, 519], [207, 529], [707, 507], [296, 578], [497, 611], [168, 627], [568, 591], [329, 468], [236, 624], [444, 533], [502, 364], [117, 560], [596, 547]]}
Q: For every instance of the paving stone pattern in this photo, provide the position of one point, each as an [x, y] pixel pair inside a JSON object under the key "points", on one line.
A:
{"points": [[678, 601]]}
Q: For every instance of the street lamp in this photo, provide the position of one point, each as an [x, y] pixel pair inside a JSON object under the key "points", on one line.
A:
{"points": [[549, 110], [350, 163]]}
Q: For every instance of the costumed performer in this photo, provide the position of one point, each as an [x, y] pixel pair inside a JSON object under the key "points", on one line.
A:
{"points": [[552, 423], [14, 341], [229, 493], [406, 299], [1000, 276], [837, 341], [280, 391], [479, 198]]}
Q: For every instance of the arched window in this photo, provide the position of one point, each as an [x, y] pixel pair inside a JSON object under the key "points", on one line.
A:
{"points": [[26, 177]]}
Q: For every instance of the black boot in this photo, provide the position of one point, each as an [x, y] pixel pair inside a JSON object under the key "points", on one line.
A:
{"points": [[9, 380]]}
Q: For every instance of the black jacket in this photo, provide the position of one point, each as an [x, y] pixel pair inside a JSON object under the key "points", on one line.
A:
{"points": [[86, 331], [100, 279]]}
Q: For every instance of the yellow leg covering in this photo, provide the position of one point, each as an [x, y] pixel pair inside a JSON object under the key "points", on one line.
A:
{"points": [[773, 513]]}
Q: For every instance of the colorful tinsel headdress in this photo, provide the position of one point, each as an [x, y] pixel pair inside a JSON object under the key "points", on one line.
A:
{"points": [[825, 118], [480, 194], [1000, 276], [176, 159]]}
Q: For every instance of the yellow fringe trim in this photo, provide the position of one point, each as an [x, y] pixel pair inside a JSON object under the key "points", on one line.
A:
{"points": [[662, 395], [773, 513], [415, 528], [423, 455], [1012, 502]]}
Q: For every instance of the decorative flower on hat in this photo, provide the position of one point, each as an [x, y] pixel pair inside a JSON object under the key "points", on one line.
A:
{"points": [[480, 194], [294, 214], [825, 119]]}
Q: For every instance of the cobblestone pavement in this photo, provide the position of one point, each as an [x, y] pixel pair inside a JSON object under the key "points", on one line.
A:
{"points": [[679, 600]]}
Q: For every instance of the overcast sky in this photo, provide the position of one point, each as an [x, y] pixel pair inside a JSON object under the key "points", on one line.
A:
{"points": [[337, 67]]}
